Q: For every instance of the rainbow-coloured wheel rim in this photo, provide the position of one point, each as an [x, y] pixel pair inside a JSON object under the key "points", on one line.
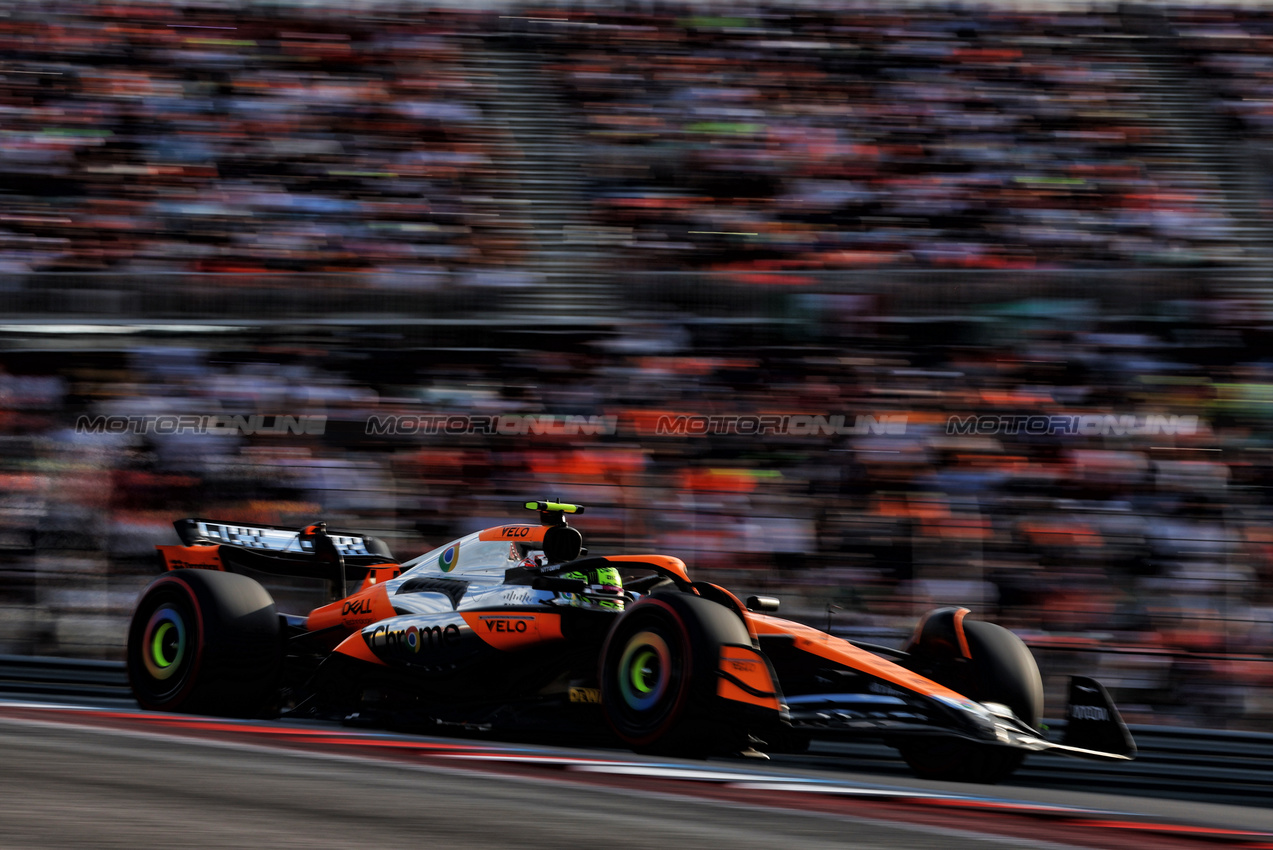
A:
{"points": [[645, 671], [164, 644]]}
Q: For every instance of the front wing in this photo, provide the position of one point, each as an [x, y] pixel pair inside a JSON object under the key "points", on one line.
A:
{"points": [[881, 698], [1100, 734]]}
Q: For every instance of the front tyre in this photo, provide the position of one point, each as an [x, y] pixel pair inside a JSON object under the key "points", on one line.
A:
{"points": [[659, 673], [204, 642], [1001, 669]]}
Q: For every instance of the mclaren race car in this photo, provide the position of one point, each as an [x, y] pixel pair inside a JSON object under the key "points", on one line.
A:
{"points": [[516, 629]]}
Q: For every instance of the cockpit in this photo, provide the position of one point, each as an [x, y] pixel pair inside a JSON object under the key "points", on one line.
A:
{"points": [[541, 556], [493, 551]]}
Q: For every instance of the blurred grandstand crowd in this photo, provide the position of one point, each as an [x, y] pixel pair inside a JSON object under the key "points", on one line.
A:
{"points": [[150, 138], [147, 139], [866, 138]]}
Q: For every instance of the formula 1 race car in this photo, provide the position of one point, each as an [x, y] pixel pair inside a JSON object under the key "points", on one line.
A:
{"points": [[516, 629]]}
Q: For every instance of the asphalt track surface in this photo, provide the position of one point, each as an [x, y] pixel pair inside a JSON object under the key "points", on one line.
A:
{"points": [[111, 777]]}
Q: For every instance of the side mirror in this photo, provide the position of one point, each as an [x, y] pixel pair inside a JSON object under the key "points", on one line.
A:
{"points": [[762, 604]]}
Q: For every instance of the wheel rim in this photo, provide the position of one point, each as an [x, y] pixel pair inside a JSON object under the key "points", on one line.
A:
{"points": [[644, 671], [163, 645]]}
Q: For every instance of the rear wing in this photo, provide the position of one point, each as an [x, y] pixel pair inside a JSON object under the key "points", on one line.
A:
{"points": [[273, 538], [309, 552]]}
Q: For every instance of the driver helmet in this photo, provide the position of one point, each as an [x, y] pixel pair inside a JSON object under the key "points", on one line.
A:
{"points": [[605, 588]]}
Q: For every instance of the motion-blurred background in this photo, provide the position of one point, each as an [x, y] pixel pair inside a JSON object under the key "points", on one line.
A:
{"points": [[895, 216]]}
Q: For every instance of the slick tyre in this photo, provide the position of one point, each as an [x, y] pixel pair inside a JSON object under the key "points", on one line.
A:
{"points": [[204, 642], [1001, 670], [658, 675]]}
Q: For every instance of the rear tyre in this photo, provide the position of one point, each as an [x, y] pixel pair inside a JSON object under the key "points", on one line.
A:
{"points": [[1001, 670], [204, 642], [658, 675]]}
